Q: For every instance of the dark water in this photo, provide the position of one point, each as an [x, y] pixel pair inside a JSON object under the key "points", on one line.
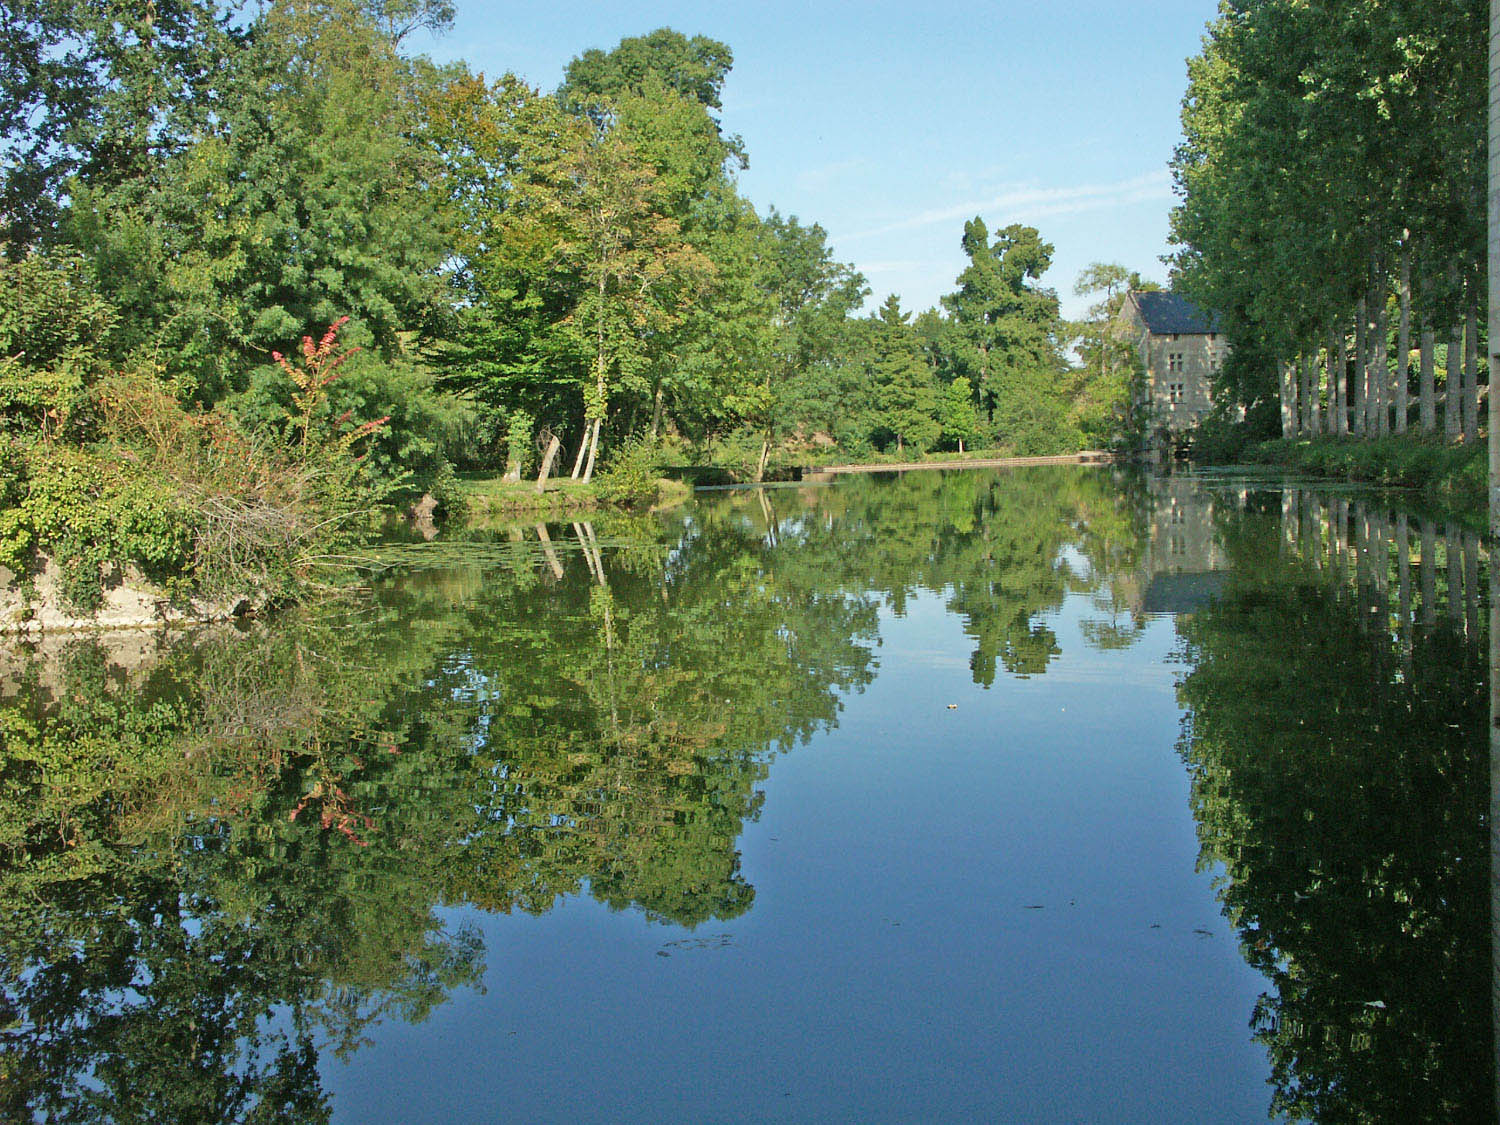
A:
{"points": [[1061, 795]]}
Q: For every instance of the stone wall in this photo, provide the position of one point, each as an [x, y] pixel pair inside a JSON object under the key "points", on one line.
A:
{"points": [[130, 602], [1200, 355]]}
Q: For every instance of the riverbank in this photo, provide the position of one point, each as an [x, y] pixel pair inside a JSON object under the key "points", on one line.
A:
{"points": [[959, 461], [1451, 475], [494, 497]]}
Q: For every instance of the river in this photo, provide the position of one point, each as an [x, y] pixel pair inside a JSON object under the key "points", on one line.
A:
{"points": [[1057, 794]]}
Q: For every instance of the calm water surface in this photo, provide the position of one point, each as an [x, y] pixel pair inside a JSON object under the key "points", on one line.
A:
{"points": [[1058, 795]]}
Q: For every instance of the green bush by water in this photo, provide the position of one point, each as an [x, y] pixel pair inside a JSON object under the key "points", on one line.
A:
{"points": [[1457, 473]]}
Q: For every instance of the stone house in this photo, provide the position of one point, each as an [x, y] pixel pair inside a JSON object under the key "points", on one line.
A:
{"points": [[1180, 347]]}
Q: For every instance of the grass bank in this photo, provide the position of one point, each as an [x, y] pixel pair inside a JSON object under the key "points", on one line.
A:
{"points": [[1455, 476]]}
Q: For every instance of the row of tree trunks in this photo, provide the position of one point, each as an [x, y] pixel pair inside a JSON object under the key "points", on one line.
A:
{"points": [[1322, 392]]}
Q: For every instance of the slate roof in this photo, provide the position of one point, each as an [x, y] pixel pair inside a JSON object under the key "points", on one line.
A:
{"points": [[1167, 313]]}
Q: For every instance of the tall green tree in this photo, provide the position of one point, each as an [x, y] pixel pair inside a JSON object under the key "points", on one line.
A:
{"points": [[1109, 383], [905, 393], [1008, 337], [301, 200], [100, 94]]}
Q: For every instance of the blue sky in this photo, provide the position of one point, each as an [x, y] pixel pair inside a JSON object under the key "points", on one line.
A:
{"points": [[891, 124]]}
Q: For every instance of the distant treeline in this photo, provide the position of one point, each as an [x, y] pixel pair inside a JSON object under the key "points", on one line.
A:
{"points": [[191, 186]]}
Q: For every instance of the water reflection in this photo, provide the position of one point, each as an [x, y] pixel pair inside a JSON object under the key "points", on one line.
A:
{"points": [[1334, 731], [226, 855]]}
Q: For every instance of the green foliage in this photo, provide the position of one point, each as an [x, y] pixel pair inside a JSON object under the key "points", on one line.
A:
{"points": [[693, 68], [1297, 200], [54, 330], [1006, 337], [1112, 379], [520, 439], [96, 93], [1220, 440], [906, 395], [1455, 473], [185, 497], [299, 199], [959, 418], [92, 516], [212, 179], [405, 455], [1377, 1002], [630, 474]]}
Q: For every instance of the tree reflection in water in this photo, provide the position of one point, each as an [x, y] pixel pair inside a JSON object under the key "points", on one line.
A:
{"points": [[226, 856], [1335, 736]]}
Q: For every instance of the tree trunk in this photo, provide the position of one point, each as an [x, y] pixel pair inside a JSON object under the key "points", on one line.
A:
{"points": [[1288, 400], [1338, 396], [1403, 344], [583, 448], [551, 455], [1361, 370], [588, 470], [1380, 371], [656, 413], [1453, 386], [1299, 372], [1471, 378], [1427, 408], [765, 454], [1312, 415], [960, 447]]}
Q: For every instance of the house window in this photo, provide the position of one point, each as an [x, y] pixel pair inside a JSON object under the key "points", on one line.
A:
{"points": [[1174, 393], [1174, 363]]}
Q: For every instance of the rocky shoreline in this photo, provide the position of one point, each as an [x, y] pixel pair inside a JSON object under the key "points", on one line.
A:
{"points": [[130, 602]]}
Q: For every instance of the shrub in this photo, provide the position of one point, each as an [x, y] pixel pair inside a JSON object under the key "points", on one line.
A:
{"points": [[1218, 440], [189, 498], [53, 332], [409, 452], [1458, 472], [629, 477]]}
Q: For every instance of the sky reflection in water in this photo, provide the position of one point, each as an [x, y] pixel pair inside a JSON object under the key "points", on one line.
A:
{"points": [[1038, 796]]}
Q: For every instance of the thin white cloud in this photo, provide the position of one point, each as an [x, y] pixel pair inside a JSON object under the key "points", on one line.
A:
{"points": [[889, 267], [1041, 202]]}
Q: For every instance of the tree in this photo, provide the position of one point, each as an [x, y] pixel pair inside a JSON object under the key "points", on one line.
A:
{"points": [[905, 394], [637, 274], [811, 296], [1108, 385], [1300, 200], [959, 418], [1009, 335], [300, 200], [101, 94]]}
